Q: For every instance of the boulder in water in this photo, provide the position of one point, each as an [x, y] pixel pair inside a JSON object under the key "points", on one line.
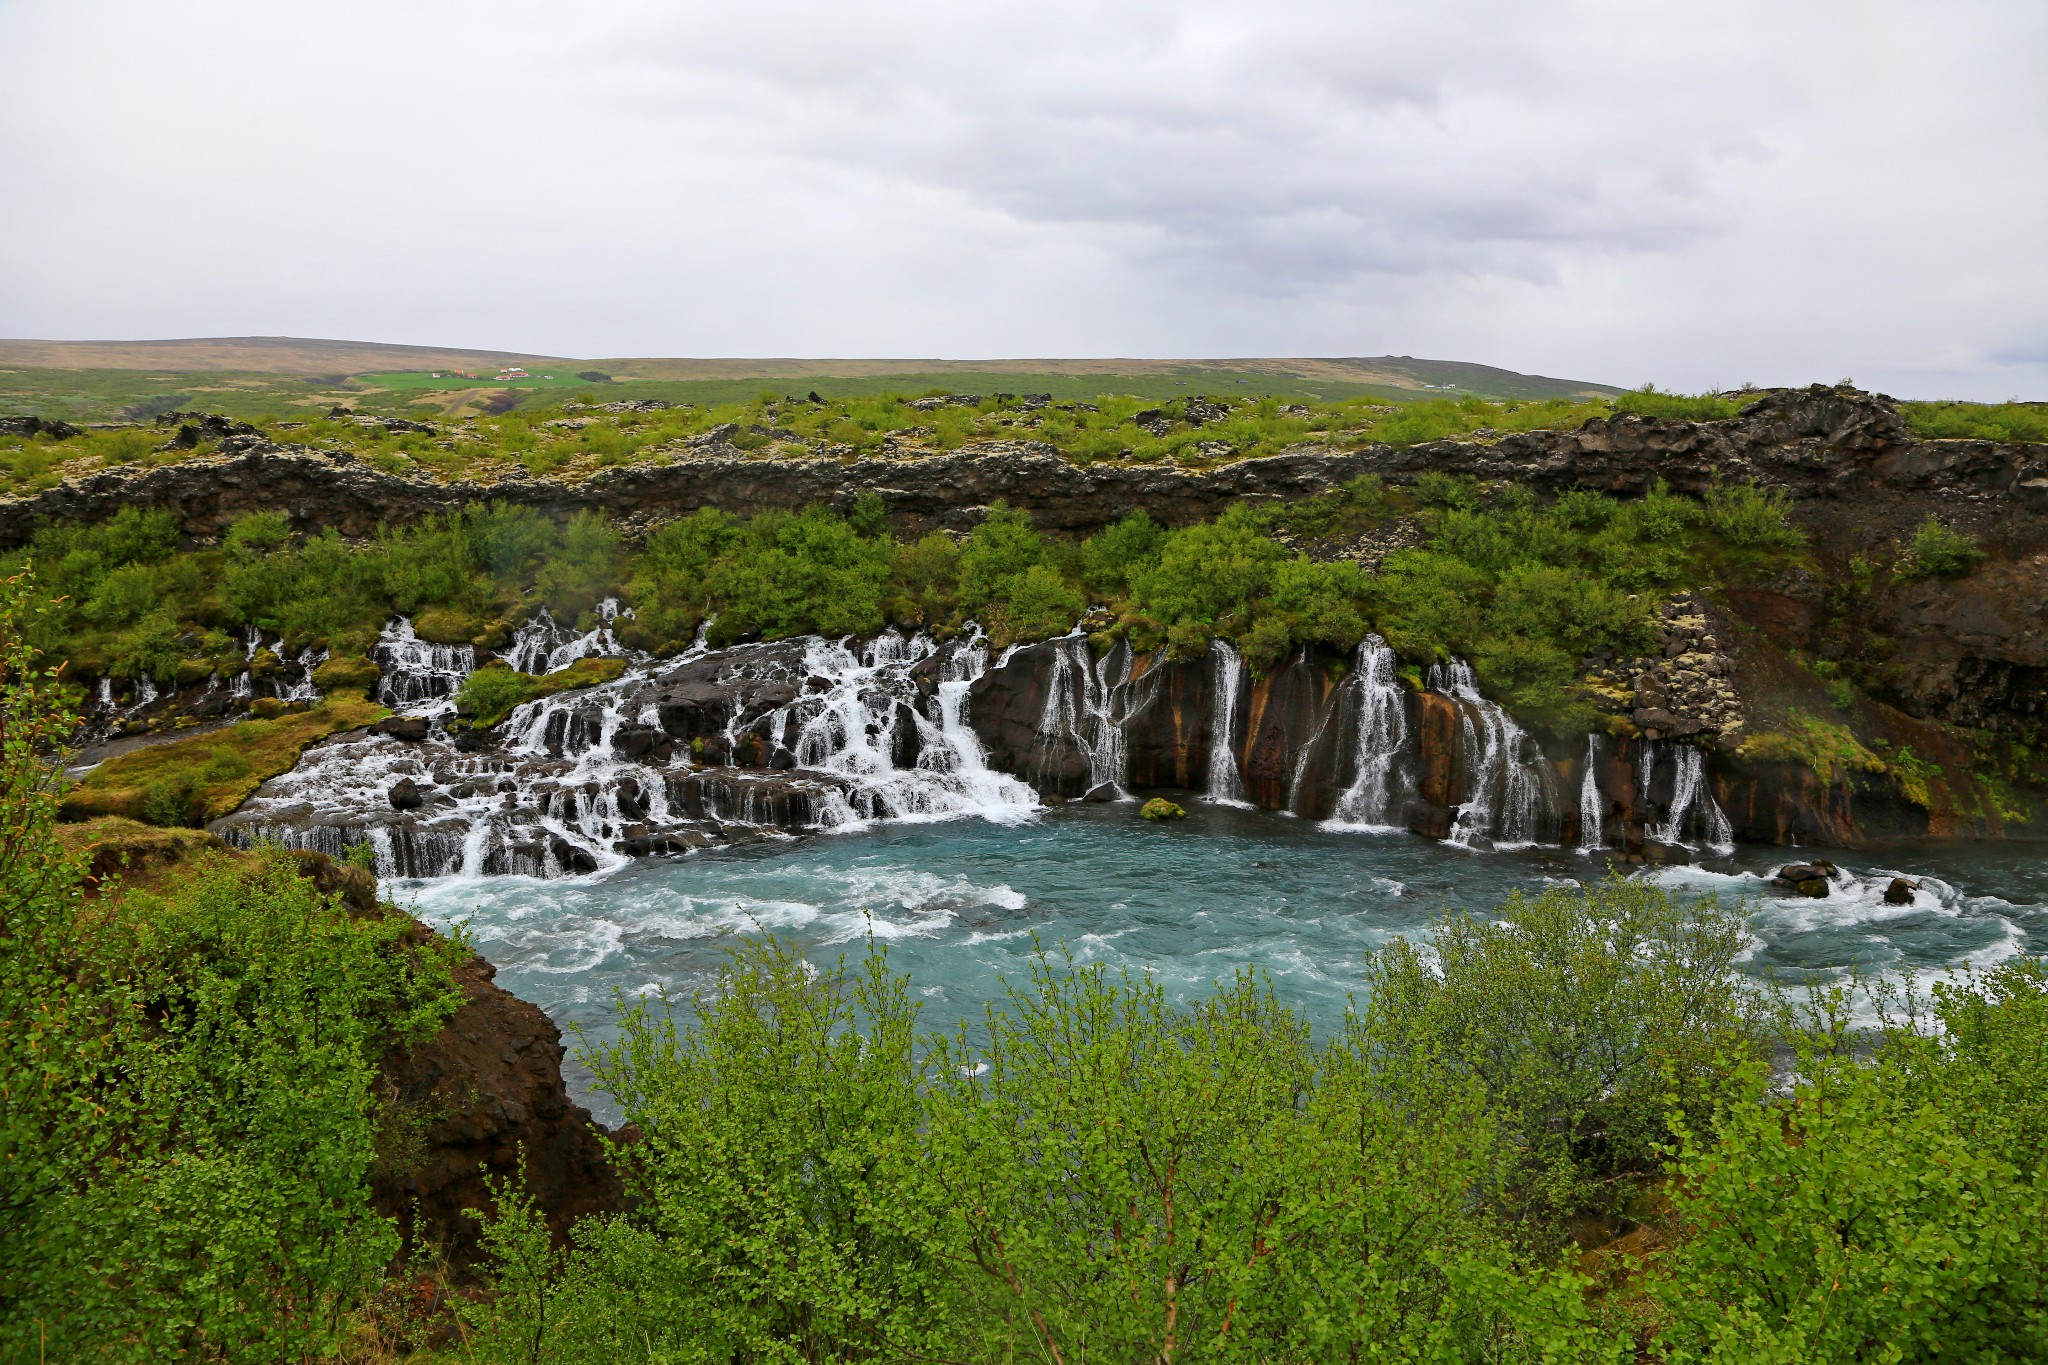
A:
{"points": [[1900, 892], [411, 729], [1101, 791], [1808, 879], [1159, 808], [406, 794]]}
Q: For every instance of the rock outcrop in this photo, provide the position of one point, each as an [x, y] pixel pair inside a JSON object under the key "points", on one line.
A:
{"points": [[1829, 444], [485, 1098]]}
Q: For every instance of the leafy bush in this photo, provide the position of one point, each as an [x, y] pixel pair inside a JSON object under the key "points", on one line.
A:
{"points": [[189, 1120], [1650, 401], [1939, 551], [1098, 1176], [1589, 1017], [1978, 421], [1887, 1207]]}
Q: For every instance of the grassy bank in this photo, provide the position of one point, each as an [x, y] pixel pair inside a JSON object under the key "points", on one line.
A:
{"points": [[192, 781]]}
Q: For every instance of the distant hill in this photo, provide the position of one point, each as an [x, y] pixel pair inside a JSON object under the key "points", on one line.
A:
{"points": [[305, 357]]}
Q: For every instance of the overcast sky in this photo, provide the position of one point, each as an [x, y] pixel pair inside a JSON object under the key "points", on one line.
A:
{"points": [[1694, 194]]}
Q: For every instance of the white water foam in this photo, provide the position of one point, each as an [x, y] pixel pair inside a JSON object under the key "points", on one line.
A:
{"points": [[418, 677], [1088, 701], [1592, 810]]}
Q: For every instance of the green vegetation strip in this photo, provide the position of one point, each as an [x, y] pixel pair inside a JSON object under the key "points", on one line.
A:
{"points": [[191, 781], [1525, 588]]}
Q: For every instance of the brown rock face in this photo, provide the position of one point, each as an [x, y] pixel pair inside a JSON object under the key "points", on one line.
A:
{"points": [[486, 1095]]}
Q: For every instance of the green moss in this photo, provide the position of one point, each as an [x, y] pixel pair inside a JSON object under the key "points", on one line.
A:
{"points": [[352, 673], [1159, 808], [493, 692], [1817, 744]]}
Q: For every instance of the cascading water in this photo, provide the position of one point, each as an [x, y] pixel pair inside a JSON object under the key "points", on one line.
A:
{"points": [[543, 646], [1226, 783], [1088, 701], [1506, 795], [417, 676], [579, 781], [900, 761], [1380, 715], [1694, 819], [1592, 812]]}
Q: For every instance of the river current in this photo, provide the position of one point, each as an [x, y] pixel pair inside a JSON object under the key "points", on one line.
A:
{"points": [[963, 904]]}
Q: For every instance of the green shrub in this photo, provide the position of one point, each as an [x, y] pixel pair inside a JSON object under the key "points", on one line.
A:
{"points": [[1650, 401], [1095, 1175], [1939, 551], [1978, 421], [1887, 1207], [1750, 517], [1035, 605], [1210, 574], [1589, 1017], [188, 1121]]}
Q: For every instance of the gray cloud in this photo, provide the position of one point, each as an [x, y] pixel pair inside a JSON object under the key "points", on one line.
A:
{"points": [[1689, 193]]}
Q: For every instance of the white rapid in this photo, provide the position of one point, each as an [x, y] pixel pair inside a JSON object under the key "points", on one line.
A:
{"points": [[1226, 783], [834, 735], [1592, 811], [419, 677], [1088, 701], [902, 760], [1372, 801], [543, 646], [1506, 792]]}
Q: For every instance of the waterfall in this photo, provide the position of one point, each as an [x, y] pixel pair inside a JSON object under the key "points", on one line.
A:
{"points": [[302, 689], [1693, 819], [901, 761], [1506, 797], [1226, 784], [1088, 701], [1592, 812], [543, 646], [1382, 730], [579, 781], [418, 677]]}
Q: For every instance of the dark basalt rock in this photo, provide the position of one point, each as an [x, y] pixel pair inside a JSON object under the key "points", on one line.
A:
{"points": [[38, 426], [406, 794], [412, 729], [1808, 879], [1900, 891]]}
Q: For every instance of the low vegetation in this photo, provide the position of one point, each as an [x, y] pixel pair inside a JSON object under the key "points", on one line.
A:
{"points": [[1527, 588], [202, 777], [1978, 421], [491, 693], [576, 438], [188, 1116]]}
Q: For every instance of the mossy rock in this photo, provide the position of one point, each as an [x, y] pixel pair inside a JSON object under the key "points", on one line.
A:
{"points": [[446, 626], [1159, 808], [350, 672]]}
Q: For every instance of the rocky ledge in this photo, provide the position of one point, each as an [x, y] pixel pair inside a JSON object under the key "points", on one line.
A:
{"points": [[1831, 444]]}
